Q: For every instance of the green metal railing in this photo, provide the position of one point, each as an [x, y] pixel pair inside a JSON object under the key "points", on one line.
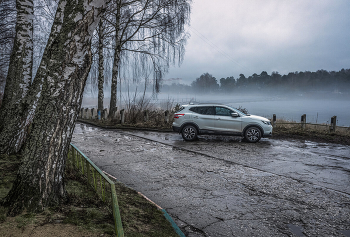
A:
{"points": [[103, 186]]}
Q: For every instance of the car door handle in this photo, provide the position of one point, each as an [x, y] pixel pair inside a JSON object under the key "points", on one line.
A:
{"points": [[195, 117], [218, 119]]}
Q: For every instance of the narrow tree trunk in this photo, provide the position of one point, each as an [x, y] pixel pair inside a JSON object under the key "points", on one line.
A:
{"points": [[115, 70], [64, 69], [100, 68], [13, 125]]}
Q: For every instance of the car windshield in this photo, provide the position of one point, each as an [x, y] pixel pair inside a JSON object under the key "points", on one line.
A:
{"points": [[239, 112]]}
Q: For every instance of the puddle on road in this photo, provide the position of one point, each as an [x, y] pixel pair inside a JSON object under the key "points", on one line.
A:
{"points": [[296, 230], [345, 232]]}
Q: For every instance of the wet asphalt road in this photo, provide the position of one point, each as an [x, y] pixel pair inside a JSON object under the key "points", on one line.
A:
{"points": [[220, 186]]}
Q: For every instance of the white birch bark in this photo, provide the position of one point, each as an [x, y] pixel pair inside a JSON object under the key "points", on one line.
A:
{"points": [[100, 68], [18, 78], [63, 70], [116, 61]]}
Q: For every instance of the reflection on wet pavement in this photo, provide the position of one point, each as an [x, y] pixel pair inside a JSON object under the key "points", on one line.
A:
{"points": [[220, 186]]}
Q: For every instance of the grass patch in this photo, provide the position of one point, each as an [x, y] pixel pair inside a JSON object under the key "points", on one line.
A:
{"points": [[84, 211], [317, 133]]}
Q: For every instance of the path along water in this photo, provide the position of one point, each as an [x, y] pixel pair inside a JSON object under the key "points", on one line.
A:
{"points": [[220, 186]]}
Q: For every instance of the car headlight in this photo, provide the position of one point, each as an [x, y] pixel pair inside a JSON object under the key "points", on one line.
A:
{"points": [[266, 122]]}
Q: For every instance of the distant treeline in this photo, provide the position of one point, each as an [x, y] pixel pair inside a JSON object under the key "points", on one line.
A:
{"points": [[321, 80]]}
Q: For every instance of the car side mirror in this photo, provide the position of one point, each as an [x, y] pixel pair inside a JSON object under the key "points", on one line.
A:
{"points": [[234, 114]]}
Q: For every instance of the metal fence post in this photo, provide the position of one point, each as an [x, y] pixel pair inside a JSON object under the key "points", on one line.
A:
{"points": [[87, 171], [116, 213], [82, 161]]}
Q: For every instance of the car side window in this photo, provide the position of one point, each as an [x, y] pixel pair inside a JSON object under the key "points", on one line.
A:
{"points": [[207, 110], [222, 111]]}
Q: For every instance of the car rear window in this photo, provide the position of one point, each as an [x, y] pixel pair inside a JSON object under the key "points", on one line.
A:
{"points": [[181, 108]]}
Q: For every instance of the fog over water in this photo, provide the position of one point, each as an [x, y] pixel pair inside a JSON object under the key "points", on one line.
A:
{"points": [[318, 110]]}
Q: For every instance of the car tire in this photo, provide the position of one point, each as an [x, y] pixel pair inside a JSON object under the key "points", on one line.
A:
{"points": [[189, 133], [252, 134]]}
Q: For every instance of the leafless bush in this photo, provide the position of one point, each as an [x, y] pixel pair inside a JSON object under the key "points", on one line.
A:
{"points": [[243, 110], [135, 106]]}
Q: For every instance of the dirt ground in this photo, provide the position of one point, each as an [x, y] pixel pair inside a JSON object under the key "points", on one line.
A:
{"points": [[83, 213], [36, 230]]}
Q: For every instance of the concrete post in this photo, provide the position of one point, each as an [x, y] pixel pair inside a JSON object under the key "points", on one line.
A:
{"points": [[86, 113], [166, 118], [113, 112], [81, 113], [93, 113], [333, 124], [274, 120], [99, 114], [105, 114], [122, 116], [303, 121], [145, 115]]}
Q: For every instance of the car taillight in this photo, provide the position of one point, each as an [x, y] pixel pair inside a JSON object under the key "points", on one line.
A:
{"points": [[178, 115]]}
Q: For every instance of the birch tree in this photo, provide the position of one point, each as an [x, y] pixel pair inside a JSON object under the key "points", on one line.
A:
{"points": [[18, 79], [150, 33], [7, 35], [100, 67], [63, 70]]}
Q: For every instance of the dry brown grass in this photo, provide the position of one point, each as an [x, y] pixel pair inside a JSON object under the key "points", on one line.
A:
{"points": [[316, 132]]}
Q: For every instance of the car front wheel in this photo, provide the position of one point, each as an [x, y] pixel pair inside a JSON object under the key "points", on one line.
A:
{"points": [[189, 133], [252, 134]]}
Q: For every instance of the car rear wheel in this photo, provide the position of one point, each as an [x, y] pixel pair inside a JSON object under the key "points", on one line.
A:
{"points": [[252, 134], [189, 133]]}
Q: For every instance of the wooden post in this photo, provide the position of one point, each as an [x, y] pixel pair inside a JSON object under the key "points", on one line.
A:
{"points": [[274, 120], [145, 115], [333, 124], [166, 118], [303, 121], [122, 116]]}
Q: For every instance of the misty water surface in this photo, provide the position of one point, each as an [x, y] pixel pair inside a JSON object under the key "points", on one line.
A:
{"points": [[316, 110]]}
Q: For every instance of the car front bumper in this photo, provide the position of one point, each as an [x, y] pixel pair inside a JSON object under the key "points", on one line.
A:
{"points": [[267, 131]]}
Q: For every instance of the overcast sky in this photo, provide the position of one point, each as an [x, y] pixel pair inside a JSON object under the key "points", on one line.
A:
{"points": [[230, 37]]}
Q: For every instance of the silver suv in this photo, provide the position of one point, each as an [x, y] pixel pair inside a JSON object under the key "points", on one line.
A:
{"points": [[195, 119]]}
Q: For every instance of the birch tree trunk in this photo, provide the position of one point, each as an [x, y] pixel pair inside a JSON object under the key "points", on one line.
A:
{"points": [[12, 123], [115, 70], [64, 69], [100, 68]]}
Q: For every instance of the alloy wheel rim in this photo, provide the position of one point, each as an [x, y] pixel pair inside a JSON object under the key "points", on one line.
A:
{"points": [[190, 133], [253, 134]]}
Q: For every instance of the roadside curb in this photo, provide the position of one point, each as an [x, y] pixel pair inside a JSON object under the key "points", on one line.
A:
{"points": [[124, 127], [176, 228], [166, 215]]}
